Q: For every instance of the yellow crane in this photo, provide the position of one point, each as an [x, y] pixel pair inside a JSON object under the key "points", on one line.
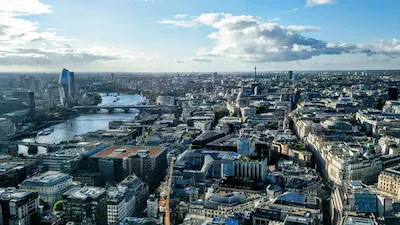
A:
{"points": [[164, 197]]}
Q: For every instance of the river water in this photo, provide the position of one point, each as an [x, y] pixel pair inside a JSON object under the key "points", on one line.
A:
{"points": [[88, 122]]}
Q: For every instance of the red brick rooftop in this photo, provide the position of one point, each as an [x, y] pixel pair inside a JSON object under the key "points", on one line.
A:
{"points": [[109, 152]]}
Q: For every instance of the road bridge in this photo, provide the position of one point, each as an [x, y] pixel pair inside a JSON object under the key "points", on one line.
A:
{"points": [[126, 108], [111, 108]]}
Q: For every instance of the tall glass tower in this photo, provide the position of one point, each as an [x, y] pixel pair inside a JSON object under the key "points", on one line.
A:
{"points": [[66, 85]]}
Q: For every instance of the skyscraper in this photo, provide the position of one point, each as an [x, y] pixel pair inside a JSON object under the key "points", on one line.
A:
{"points": [[71, 85], [393, 93], [214, 77], [63, 86], [32, 106], [66, 85], [290, 74]]}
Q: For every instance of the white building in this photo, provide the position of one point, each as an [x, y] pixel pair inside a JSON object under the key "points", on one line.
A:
{"points": [[18, 207], [125, 198], [116, 206], [244, 167], [203, 125], [152, 207], [346, 163], [165, 100], [222, 203], [50, 185]]}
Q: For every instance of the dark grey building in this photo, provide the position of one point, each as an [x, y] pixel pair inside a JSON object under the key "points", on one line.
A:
{"points": [[18, 207], [86, 205]]}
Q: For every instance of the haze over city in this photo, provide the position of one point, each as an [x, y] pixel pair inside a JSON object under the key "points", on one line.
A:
{"points": [[207, 35]]}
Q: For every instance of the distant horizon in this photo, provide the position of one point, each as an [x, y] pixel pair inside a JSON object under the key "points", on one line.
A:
{"points": [[153, 36], [195, 72]]}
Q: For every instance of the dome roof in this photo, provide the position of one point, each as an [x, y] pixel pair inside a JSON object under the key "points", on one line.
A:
{"points": [[242, 94]]}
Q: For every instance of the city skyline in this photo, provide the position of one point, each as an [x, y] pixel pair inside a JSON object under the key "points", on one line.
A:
{"points": [[176, 35]]}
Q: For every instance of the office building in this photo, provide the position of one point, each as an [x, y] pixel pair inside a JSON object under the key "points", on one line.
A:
{"points": [[290, 75], [289, 208], [32, 106], [116, 205], [32, 84], [133, 186], [393, 93], [244, 167], [165, 100], [14, 171], [124, 198], [6, 127], [389, 182], [356, 198], [152, 207], [18, 207], [245, 145], [50, 185], [214, 77], [86, 205], [147, 162], [71, 85], [221, 203], [63, 86], [66, 85]]}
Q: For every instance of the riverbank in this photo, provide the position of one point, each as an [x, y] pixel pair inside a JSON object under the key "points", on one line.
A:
{"points": [[43, 125]]}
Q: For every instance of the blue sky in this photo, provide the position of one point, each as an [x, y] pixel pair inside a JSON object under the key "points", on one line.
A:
{"points": [[198, 35]]}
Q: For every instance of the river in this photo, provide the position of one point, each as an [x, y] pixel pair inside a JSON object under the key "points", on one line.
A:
{"points": [[87, 122]]}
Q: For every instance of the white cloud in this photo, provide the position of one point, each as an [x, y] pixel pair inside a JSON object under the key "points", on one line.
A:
{"points": [[23, 7], [276, 19], [194, 59], [319, 2], [302, 28], [180, 16], [66, 55], [389, 48], [200, 59], [210, 18], [248, 38], [21, 42], [179, 23], [295, 9]]}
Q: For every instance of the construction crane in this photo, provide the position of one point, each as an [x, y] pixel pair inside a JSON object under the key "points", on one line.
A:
{"points": [[165, 194]]}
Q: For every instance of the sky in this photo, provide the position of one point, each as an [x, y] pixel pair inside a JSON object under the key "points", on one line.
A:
{"points": [[198, 35]]}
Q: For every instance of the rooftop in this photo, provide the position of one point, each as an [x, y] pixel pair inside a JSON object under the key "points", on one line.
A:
{"points": [[119, 151], [85, 192], [393, 170], [351, 220], [12, 193], [49, 178], [10, 165]]}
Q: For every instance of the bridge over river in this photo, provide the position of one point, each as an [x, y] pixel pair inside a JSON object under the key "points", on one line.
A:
{"points": [[111, 108]]}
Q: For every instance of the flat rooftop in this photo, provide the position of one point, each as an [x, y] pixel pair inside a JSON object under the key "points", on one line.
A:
{"points": [[49, 178], [350, 220], [393, 170], [85, 192], [10, 165], [12, 193], [121, 151]]}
